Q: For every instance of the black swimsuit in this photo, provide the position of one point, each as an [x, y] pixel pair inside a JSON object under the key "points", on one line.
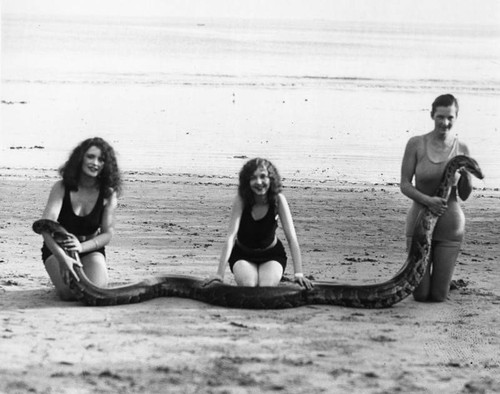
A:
{"points": [[79, 225], [257, 234], [254, 239]]}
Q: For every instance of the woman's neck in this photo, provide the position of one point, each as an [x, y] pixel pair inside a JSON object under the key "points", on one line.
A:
{"points": [[86, 182], [446, 139], [260, 200]]}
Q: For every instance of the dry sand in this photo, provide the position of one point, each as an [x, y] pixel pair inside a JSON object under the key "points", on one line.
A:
{"points": [[168, 223]]}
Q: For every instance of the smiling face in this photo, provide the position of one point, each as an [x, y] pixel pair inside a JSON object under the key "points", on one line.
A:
{"points": [[444, 118], [260, 182], [93, 162]]}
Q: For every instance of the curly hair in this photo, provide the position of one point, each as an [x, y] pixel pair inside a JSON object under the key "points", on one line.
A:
{"points": [[445, 100], [109, 179], [246, 173]]}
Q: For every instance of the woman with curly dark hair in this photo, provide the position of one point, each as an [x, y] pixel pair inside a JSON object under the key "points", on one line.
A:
{"points": [[254, 253], [84, 202]]}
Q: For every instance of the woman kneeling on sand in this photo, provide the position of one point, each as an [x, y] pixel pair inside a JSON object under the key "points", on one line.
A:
{"points": [[424, 160], [83, 202], [255, 255]]}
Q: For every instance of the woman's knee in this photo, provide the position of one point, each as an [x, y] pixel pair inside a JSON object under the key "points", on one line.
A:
{"points": [[245, 280], [100, 280], [266, 281], [420, 296], [94, 267], [270, 273], [423, 290], [245, 273], [439, 295], [65, 295], [52, 267]]}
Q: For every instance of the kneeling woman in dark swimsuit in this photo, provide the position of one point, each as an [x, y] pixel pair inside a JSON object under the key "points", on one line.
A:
{"points": [[255, 255], [84, 203]]}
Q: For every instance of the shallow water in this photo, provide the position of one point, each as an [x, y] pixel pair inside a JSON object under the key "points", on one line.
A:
{"points": [[324, 100]]}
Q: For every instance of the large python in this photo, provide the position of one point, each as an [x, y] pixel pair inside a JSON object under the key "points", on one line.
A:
{"points": [[377, 295]]}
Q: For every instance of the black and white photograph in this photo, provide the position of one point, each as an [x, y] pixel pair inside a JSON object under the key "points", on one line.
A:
{"points": [[228, 197]]}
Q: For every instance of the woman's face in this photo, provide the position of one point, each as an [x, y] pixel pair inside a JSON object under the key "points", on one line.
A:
{"points": [[444, 118], [92, 162], [260, 182]]}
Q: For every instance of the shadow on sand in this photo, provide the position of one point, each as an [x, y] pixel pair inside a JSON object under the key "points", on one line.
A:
{"points": [[28, 299]]}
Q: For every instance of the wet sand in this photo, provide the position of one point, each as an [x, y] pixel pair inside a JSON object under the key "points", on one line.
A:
{"points": [[169, 223]]}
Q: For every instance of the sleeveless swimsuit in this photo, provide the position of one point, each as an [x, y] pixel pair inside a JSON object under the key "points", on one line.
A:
{"points": [[256, 240], [450, 226], [84, 227]]}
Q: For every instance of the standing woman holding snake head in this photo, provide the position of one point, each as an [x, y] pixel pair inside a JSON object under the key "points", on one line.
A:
{"points": [[83, 202], [424, 159], [255, 255]]}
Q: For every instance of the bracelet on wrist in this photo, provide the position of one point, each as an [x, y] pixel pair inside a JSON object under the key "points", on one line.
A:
{"points": [[298, 275]]}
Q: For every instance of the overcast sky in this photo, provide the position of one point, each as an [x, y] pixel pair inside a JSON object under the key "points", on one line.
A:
{"points": [[481, 12]]}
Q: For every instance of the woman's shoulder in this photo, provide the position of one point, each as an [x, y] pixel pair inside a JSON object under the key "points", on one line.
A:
{"points": [[59, 187], [110, 197], [238, 202], [416, 143], [418, 139], [281, 200], [463, 149]]}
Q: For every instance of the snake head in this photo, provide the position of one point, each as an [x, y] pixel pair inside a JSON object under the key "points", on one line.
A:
{"points": [[52, 227], [468, 164]]}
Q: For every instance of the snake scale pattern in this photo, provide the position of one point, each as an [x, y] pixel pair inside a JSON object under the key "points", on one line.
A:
{"points": [[377, 295]]}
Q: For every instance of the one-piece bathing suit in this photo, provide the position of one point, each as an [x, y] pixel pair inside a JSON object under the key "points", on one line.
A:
{"points": [[450, 226], [84, 227], [255, 240]]}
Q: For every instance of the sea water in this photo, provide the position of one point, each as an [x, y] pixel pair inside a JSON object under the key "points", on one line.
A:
{"points": [[325, 100]]}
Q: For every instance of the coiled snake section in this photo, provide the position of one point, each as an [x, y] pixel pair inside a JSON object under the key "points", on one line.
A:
{"points": [[377, 295]]}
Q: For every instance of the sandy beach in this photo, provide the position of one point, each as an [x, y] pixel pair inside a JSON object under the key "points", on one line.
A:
{"points": [[168, 223], [330, 92]]}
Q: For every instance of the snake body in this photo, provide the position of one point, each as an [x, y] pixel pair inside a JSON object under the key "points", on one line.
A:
{"points": [[377, 295]]}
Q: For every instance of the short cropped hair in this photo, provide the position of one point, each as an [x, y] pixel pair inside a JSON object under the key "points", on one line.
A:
{"points": [[445, 100]]}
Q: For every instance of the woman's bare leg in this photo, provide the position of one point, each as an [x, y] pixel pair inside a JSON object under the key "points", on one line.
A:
{"points": [[270, 273], [444, 256], [423, 290], [246, 273], [53, 268], [94, 266]]}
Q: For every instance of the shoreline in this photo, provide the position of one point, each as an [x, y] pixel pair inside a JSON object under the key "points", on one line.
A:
{"points": [[32, 173], [297, 130]]}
